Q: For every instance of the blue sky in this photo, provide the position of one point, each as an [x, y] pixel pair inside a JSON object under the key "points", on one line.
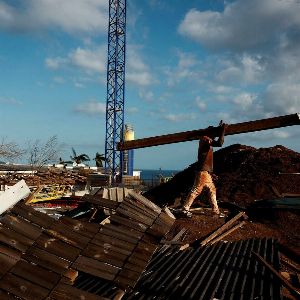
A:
{"points": [[189, 65]]}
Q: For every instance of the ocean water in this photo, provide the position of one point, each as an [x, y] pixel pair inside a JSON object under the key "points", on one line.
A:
{"points": [[155, 175]]}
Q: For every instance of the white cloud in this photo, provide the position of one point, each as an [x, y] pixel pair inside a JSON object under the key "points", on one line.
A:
{"points": [[242, 24], [141, 79], [55, 62], [132, 110], [59, 80], [227, 117], [282, 98], [76, 16], [137, 71], [79, 85], [244, 100], [12, 101], [91, 107], [220, 89], [187, 68], [201, 104], [89, 60], [281, 134], [147, 96], [244, 69], [179, 117]]}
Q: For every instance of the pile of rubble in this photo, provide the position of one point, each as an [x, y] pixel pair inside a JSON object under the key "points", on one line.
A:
{"points": [[46, 176], [136, 251]]}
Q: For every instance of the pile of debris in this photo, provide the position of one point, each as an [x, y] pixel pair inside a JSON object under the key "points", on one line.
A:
{"points": [[118, 243], [136, 251], [45, 176]]}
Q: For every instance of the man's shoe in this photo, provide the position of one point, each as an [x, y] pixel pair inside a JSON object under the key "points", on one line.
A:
{"points": [[186, 213], [182, 213]]}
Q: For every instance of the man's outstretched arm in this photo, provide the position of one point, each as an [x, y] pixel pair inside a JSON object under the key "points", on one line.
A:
{"points": [[219, 142]]}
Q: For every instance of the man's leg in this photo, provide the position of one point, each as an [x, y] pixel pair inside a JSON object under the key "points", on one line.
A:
{"points": [[212, 195], [195, 191]]}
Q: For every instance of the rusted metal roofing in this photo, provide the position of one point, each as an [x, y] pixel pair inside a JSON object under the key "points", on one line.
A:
{"points": [[222, 271]]}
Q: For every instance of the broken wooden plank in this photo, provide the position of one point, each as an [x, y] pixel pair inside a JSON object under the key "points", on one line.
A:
{"points": [[100, 202], [139, 260], [84, 228], [144, 201], [125, 212], [291, 265], [4, 249], [67, 292], [244, 127], [125, 230], [57, 247], [128, 223], [139, 214], [101, 239], [21, 226], [129, 274], [142, 209], [222, 228], [95, 267], [67, 235], [220, 237], [125, 282], [38, 218], [105, 254], [47, 260], [23, 288], [292, 289], [14, 239], [36, 274], [119, 235], [176, 238], [105, 248], [5, 296], [6, 263], [135, 267]]}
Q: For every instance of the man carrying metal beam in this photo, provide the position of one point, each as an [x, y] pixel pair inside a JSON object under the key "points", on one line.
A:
{"points": [[204, 169]]}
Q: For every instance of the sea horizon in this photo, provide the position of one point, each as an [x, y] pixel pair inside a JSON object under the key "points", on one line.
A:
{"points": [[152, 174]]}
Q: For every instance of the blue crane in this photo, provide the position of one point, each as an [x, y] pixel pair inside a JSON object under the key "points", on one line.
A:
{"points": [[115, 87]]}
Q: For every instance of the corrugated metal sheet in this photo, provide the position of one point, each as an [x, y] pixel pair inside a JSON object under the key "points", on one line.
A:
{"points": [[222, 271]]}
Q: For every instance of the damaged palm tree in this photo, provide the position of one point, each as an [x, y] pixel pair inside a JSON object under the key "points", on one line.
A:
{"points": [[80, 158]]}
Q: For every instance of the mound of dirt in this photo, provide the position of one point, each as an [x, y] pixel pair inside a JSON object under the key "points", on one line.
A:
{"points": [[244, 174]]}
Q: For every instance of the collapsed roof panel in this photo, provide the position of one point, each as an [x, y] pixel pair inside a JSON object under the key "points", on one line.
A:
{"points": [[40, 255]]}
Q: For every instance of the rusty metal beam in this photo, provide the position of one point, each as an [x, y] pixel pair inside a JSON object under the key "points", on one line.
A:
{"points": [[250, 126]]}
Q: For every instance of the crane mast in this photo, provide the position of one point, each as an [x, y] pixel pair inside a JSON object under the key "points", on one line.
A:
{"points": [[115, 87]]}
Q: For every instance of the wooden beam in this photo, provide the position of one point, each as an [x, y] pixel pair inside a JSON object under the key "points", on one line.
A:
{"points": [[244, 127], [223, 228], [220, 237], [292, 289]]}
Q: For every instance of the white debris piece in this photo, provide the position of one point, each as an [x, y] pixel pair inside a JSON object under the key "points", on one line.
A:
{"points": [[13, 195]]}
